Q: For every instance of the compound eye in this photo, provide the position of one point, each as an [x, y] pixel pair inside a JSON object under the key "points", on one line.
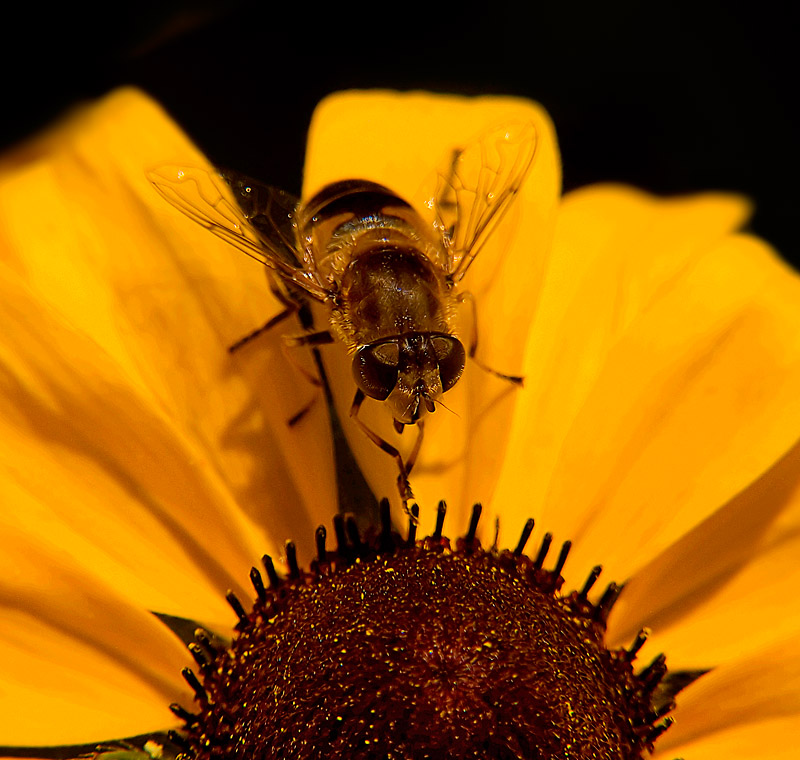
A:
{"points": [[451, 357], [375, 369]]}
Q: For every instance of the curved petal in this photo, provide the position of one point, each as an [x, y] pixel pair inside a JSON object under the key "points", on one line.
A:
{"points": [[666, 354], [90, 461], [765, 740], [146, 388], [745, 698], [699, 596], [401, 140], [80, 663]]}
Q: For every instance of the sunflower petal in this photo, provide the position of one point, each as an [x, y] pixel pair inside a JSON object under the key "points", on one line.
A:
{"points": [[90, 462], [744, 700], [764, 739], [699, 595], [666, 354], [402, 140], [80, 663], [126, 417]]}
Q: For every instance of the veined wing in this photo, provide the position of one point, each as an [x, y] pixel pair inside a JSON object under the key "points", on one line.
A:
{"points": [[478, 188], [207, 199], [271, 212]]}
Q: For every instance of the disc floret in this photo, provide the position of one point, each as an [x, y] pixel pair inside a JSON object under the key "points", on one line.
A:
{"points": [[392, 647]]}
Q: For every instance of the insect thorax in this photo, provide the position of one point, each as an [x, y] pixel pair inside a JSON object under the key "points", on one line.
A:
{"points": [[383, 261], [346, 218], [391, 290]]}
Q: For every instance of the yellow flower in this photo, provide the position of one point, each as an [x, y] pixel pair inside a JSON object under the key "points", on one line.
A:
{"points": [[143, 468]]}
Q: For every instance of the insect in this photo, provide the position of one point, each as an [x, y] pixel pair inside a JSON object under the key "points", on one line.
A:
{"points": [[389, 279]]}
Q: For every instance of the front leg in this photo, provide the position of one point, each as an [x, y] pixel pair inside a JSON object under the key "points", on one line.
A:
{"points": [[404, 487], [412, 457]]}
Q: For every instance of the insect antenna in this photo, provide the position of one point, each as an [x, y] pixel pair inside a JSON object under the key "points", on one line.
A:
{"points": [[440, 403]]}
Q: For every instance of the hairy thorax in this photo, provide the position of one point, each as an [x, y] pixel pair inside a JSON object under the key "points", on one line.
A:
{"points": [[390, 290]]}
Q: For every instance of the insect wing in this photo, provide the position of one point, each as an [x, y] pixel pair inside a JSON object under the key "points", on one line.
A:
{"points": [[207, 199], [478, 187], [271, 213]]}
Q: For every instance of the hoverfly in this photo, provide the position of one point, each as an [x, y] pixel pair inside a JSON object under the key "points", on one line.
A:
{"points": [[388, 278]]}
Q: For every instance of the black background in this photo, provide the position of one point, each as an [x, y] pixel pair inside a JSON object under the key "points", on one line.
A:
{"points": [[673, 98]]}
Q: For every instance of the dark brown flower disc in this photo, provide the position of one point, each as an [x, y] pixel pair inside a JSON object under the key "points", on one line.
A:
{"points": [[396, 649]]}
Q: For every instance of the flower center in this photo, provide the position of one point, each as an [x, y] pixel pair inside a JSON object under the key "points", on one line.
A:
{"points": [[392, 648]]}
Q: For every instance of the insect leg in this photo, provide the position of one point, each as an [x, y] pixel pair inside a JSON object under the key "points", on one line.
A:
{"points": [[412, 458], [473, 345], [321, 338], [402, 479], [310, 339], [290, 307], [268, 325], [299, 308], [291, 342]]}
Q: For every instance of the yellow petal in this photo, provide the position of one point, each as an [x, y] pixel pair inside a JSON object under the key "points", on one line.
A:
{"points": [[766, 740], [741, 699], [81, 664], [155, 301], [401, 141], [666, 365], [92, 463], [728, 588]]}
